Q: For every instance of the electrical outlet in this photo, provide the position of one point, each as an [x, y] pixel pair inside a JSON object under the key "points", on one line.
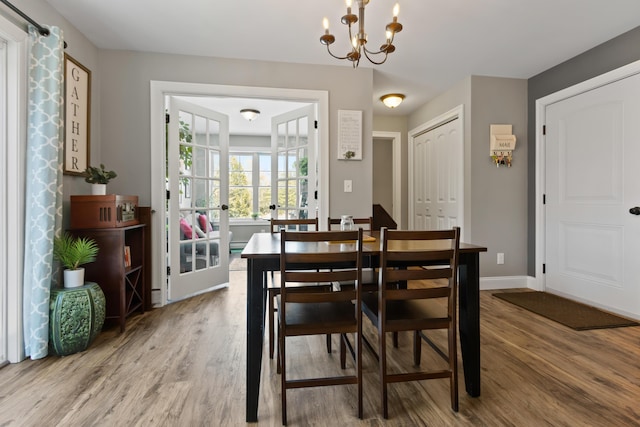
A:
{"points": [[500, 258], [348, 186]]}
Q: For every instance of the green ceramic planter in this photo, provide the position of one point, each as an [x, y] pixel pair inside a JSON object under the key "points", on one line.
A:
{"points": [[76, 317]]}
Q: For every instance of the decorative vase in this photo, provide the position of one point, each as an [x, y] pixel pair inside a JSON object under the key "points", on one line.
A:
{"points": [[73, 278], [98, 189], [76, 317]]}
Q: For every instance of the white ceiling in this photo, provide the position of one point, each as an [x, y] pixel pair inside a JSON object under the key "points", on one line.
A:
{"points": [[442, 41]]}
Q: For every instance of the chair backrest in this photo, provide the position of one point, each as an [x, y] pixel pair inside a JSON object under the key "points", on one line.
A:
{"points": [[320, 257], [294, 224], [365, 223], [430, 256]]}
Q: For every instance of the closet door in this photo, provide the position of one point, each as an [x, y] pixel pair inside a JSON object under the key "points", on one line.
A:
{"points": [[436, 179]]}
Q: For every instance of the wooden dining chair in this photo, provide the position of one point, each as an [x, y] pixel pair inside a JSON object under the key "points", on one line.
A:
{"points": [[334, 255], [427, 261], [273, 288]]}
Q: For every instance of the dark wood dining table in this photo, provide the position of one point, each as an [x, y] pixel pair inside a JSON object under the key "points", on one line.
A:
{"points": [[262, 253]]}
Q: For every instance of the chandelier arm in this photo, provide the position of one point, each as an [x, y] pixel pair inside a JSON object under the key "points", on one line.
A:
{"points": [[335, 56], [366, 53]]}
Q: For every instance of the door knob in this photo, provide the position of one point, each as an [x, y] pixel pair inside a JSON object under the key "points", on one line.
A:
{"points": [[272, 207], [224, 207], [635, 210]]}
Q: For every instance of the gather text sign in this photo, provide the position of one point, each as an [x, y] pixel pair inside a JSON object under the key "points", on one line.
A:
{"points": [[77, 80]]}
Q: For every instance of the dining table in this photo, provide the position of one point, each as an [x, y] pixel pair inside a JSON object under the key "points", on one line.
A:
{"points": [[262, 253]]}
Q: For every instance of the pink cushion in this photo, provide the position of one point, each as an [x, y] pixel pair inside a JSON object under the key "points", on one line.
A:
{"points": [[205, 225], [186, 228]]}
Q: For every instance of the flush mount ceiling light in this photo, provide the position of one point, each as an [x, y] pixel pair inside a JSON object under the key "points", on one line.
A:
{"points": [[359, 40], [250, 114], [392, 100]]}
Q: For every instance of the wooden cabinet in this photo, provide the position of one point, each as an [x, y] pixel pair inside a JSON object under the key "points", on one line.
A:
{"points": [[123, 286]]}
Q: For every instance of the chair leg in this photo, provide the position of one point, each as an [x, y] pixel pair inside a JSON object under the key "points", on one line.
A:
{"points": [[278, 354], [395, 340], [359, 370], [343, 351], [417, 348], [271, 313], [383, 373], [283, 377], [329, 343], [453, 365]]}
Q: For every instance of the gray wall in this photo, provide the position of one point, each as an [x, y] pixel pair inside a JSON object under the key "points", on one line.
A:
{"points": [[495, 198], [126, 123], [608, 56]]}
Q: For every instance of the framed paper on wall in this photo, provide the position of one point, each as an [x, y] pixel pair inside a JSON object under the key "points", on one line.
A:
{"points": [[349, 135], [77, 117]]}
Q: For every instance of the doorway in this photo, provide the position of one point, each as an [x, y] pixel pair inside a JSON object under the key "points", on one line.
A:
{"points": [[387, 145], [159, 90], [590, 154]]}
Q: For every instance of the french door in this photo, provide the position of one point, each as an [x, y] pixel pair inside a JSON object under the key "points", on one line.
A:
{"points": [[293, 143], [197, 216]]}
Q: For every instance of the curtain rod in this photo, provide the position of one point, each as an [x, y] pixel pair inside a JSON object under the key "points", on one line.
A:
{"points": [[42, 30]]}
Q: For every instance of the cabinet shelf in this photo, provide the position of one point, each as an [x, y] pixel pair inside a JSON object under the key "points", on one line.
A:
{"points": [[123, 287]]}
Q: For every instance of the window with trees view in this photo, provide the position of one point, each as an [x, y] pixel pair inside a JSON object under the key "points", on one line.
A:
{"points": [[249, 185]]}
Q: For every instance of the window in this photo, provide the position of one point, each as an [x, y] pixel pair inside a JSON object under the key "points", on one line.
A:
{"points": [[249, 185]]}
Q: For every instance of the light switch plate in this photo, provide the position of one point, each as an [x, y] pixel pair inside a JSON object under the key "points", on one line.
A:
{"points": [[348, 186]]}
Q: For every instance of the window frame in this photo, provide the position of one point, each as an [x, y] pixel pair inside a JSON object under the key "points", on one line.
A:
{"points": [[256, 153]]}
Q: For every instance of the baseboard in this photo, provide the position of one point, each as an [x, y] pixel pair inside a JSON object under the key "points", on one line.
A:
{"points": [[504, 282]]}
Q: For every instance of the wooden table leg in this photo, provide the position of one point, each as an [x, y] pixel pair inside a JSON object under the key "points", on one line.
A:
{"points": [[255, 334], [469, 320]]}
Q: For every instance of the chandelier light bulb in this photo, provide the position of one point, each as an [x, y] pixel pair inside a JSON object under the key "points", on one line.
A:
{"points": [[396, 9]]}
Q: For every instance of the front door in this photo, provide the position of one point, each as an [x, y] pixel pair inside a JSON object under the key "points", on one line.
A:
{"points": [[591, 158], [197, 218], [294, 164]]}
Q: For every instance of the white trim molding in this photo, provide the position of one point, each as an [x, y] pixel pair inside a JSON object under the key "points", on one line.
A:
{"points": [[13, 161], [504, 282]]}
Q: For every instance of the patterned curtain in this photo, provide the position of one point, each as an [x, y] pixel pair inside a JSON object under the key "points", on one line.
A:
{"points": [[43, 198]]}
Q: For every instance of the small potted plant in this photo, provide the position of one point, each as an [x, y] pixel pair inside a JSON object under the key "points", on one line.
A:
{"points": [[99, 178], [255, 215], [73, 252]]}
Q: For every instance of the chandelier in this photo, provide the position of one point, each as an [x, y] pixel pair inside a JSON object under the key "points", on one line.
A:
{"points": [[359, 40]]}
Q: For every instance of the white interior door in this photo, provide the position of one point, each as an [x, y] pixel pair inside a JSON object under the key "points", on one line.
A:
{"points": [[591, 157], [294, 167], [437, 159], [198, 220]]}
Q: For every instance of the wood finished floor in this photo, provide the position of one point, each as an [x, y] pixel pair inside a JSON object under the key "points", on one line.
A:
{"points": [[184, 365]]}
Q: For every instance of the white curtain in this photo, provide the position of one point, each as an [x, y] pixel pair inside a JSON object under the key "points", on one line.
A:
{"points": [[43, 198]]}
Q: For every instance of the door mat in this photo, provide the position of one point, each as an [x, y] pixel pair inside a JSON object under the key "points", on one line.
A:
{"points": [[570, 313]]}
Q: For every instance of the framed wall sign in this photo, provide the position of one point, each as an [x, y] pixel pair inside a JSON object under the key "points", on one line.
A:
{"points": [[77, 116], [349, 135]]}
